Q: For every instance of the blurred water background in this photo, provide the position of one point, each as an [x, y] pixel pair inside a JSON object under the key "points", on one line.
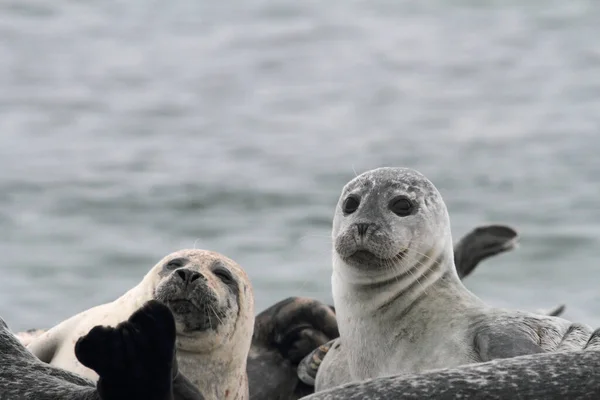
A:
{"points": [[130, 129]]}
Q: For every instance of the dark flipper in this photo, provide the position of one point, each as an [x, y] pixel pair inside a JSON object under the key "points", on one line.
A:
{"points": [[308, 367], [283, 335], [136, 359], [296, 326], [481, 243]]}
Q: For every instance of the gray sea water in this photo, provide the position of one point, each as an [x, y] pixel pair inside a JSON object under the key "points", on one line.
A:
{"points": [[130, 129]]}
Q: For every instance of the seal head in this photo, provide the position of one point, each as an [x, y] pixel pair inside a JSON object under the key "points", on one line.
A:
{"points": [[385, 219], [203, 293]]}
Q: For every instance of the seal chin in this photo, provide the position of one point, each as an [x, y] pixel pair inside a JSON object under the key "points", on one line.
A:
{"points": [[362, 258]]}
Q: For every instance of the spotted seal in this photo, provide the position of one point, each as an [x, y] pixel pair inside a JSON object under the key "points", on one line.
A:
{"points": [[400, 305]]}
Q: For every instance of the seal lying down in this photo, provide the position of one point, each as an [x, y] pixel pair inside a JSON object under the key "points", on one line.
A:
{"points": [[550, 376]]}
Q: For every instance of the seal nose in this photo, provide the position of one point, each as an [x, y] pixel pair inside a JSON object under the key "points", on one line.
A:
{"points": [[362, 229], [187, 275]]}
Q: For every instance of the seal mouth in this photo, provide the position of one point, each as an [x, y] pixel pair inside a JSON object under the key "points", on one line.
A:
{"points": [[196, 318], [362, 257], [182, 306]]}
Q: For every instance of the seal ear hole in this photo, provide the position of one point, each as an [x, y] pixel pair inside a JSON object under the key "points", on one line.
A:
{"points": [[401, 206], [224, 275], [350, 204]]}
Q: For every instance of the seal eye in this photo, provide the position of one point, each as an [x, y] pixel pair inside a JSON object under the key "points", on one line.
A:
{"points": [[401, 206], [350, 204], [224, 275], [175, 263]]}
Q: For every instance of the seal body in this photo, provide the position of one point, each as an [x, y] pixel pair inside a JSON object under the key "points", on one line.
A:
{"points": [[551, 376], [400, 305], [212, 302]]}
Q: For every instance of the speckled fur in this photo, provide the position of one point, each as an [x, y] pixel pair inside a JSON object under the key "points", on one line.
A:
{"points": [[413, 314], [214, 360], [24, 377], [552, 376]]}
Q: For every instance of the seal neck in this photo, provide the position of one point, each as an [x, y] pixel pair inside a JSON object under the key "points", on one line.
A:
{"points": [[432, 275]]}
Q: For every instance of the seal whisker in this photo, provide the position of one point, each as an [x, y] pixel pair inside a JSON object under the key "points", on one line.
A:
{"points": [[216, 314]]}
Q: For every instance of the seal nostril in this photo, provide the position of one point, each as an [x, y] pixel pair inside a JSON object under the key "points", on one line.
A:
{"points": [[362, 229], [181, 274], [194, 276]]}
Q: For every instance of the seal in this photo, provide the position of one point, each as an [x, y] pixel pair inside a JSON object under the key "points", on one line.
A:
{"points": [[474, 247], [549, 376], [401, 306], [135, 359], [212, 302]]}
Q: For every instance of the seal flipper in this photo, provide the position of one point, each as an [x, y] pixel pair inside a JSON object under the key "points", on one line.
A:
{"points": [[576, 338], [481, 243], [134, 359], [309, 366], [283, 335], [505, 342]]}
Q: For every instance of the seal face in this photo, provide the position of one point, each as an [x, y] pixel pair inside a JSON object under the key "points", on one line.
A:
{"points": [[202, 297], [384, 218]]}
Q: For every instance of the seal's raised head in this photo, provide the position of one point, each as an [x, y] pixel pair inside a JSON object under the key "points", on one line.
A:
{"points": [[388, 215], [209, 295]]}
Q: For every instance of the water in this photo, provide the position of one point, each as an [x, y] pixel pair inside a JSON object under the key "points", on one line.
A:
{"points": [[129, 129]]}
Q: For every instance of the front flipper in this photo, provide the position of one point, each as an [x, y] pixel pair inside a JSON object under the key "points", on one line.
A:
{"points": [[505, 342], [295, 326], [308, 367], [134, 359], [283, 335]]}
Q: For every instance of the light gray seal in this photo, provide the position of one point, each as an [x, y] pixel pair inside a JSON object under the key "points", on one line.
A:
{"points": [[549, 376], [134, 360], [400, 305], [212, 301]]}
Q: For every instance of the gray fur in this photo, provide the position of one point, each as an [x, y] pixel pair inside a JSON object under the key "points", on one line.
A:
{"points": [[23, 376], [552, 376], [400, 304]]}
